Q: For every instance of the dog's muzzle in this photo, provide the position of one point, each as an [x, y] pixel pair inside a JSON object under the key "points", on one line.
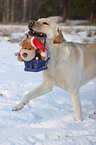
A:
{"points": [[31, 24], [33, 32]]}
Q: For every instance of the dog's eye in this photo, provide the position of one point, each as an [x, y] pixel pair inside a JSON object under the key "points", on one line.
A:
{"points": [[29, 48], [45, 23], [25, 48]]}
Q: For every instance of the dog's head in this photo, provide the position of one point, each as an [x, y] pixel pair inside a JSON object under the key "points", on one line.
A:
{"points": [[46, 27]]}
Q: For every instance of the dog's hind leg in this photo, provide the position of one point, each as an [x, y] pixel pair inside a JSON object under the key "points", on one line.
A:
{"points": [[44, 88], [76, 104]]}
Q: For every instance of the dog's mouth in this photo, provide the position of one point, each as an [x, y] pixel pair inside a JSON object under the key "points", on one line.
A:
{"points": [[35, 33]]}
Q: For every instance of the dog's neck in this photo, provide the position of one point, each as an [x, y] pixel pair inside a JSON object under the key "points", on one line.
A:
{"points": [[53, 49]]}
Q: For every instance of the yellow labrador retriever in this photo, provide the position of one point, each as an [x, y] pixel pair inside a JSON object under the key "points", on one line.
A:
{"points": [[71, 64]]}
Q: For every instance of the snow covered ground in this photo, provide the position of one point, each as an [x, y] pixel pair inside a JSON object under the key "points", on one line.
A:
{"points": [[49, 119]]}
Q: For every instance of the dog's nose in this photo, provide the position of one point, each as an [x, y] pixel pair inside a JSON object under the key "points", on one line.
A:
{"points": [[31, 23], [24, 54]]}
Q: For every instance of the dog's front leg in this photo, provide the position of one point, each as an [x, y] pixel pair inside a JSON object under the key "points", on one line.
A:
{"points": [[76, 104], [44, 88]]}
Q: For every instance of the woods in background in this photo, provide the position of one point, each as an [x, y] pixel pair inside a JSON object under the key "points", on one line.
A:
{"points": [[25, 10]]}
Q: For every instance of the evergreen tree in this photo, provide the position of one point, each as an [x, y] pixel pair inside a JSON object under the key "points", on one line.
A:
{"points": [[48, 8]]}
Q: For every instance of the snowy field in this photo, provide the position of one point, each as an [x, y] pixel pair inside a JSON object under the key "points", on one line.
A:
{"points": [[49, 119]]}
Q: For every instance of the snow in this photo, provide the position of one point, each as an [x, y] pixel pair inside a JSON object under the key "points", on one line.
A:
{"points": [[49, 119]]}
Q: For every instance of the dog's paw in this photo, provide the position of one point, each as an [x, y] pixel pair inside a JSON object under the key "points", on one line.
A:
{"points": [[18, 107], [78, 117]]}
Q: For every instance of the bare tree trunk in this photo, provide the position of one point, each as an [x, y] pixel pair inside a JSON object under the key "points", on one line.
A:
{"points": [[7, 11], [65, 10], [4, 17], [4, 12], [24, 10], [92, 10], [12, 11], [30, 12]]}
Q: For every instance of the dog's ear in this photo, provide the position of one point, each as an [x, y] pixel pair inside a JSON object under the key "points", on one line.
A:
{"points": [[59, 37], [22, 43]]}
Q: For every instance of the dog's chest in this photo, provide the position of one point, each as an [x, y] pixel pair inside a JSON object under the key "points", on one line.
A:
{"points": [[57, 76]]}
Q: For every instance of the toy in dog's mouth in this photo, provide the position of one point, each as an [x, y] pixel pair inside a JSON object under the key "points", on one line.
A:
{"points": [[35, 33]]}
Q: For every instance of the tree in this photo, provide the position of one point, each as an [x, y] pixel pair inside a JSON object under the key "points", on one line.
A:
{"points": [[48, 8], [24, 10], [30, 11], [7, 11], [12, 11], [4, 12], [65, 10], [92, 10]]}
